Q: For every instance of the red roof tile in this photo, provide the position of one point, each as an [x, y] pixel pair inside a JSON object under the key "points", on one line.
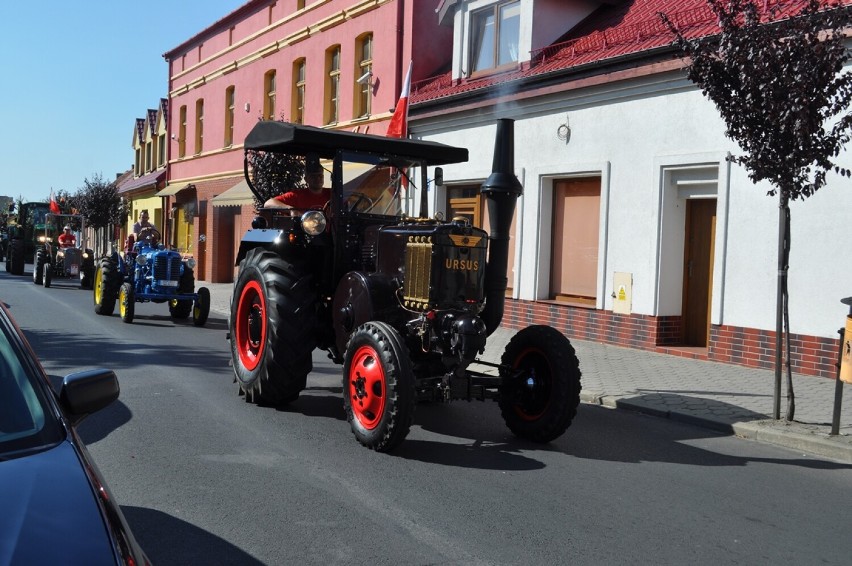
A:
{"points": [[610, 32]]}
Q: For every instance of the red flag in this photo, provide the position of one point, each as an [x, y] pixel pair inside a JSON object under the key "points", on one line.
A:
{"points": [[54, 207], [398, 127]]}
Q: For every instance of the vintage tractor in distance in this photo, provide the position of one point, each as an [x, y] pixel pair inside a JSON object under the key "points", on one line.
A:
{"points": [[147, 272], [53, 260], [23, 235], [404, 303]]}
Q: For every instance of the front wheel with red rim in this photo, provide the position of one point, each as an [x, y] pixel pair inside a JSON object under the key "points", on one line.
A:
{"points": [[378, 386], [540, 384], [273, 314]]}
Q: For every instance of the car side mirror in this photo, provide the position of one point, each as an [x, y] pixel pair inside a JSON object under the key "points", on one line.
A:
{"points": [[87, 392]]}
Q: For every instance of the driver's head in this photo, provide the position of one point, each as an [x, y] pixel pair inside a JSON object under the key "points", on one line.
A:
{"points": [[314, 174], [143, 216], [67, 229]]}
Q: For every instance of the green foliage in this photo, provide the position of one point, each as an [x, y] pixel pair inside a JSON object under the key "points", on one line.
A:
{"points": [[99, 202], [779, 85]]}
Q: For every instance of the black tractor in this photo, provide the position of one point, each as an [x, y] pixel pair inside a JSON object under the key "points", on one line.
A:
{"points": [[404, 302]]}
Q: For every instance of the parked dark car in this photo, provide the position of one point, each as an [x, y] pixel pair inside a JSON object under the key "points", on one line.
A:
{"points": [[54, 505]]}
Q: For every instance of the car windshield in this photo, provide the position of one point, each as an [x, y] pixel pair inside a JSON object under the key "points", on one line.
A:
{"points": [[26, 420], [377, 185]]}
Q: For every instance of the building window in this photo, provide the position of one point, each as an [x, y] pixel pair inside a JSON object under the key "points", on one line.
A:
{"points": [[297, 112], [182, 133], [231, 31], [161, 151], [138, 168], [229, 115], [199, 126], [300, 5], [495, 32], [364, 68], [148, 156], [332, 85], [576, 228], [269, 95]]}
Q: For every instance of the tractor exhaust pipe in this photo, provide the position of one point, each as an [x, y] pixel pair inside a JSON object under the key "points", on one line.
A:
{"points": [[501, 189]]}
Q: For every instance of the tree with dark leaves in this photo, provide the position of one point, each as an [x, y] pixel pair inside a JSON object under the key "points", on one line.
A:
{"points": [[779, 85], [99, 202], [275, 173]]}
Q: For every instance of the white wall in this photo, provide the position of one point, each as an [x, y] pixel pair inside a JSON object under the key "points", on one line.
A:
{"points": [[630, 134]]}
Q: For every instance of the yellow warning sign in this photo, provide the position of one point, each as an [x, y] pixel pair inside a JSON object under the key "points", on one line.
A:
{"points": [[622, 293], [846, 354]]}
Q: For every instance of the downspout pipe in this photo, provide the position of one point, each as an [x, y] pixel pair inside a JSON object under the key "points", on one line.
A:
{"points": [[501, 191]]}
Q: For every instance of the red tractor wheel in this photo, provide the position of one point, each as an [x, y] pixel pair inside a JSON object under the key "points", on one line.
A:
{"points": [[273, 315], [249, 330], [378, 386]]}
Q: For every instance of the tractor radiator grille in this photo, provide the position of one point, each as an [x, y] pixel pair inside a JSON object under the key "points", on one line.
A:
{"points": [[166, 268], [418, 272]]}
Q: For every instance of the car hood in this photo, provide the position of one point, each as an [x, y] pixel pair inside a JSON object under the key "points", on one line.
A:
{"points": [[49, 511]]}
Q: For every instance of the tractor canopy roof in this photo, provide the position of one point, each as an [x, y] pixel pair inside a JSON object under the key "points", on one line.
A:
{"points": [[284, 137]]}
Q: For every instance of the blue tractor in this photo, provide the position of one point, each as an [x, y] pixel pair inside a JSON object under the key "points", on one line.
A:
{"points": [[148, 272]]}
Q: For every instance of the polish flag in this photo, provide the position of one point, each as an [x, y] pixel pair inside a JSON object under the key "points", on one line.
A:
{"points": [[54, 207], [398, 127]]}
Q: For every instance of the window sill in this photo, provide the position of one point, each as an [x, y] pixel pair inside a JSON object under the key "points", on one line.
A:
{"points": [[491, 71], [566, 302]]}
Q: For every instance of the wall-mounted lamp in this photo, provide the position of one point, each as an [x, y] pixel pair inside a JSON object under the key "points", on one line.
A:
{"points": [[365, 78], [174, 137], [248, 106]]}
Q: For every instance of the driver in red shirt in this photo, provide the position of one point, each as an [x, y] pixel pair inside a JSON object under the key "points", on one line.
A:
{"points": [[314, 196], [67, 239]]}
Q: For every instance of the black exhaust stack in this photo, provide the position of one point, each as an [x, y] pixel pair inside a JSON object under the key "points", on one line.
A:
{"points": [[502, 190]]}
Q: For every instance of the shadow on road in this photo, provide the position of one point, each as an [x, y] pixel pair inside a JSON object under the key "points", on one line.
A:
{"points": [[99, 425], [81, 351], [169, 540], [597, 433]]}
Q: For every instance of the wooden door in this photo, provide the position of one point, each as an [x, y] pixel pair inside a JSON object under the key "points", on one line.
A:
{"points": [[576, 233], [698, 270]]}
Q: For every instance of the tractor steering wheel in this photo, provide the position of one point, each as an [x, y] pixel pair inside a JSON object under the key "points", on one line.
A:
{"points": [[148, 233], [356, 199]]}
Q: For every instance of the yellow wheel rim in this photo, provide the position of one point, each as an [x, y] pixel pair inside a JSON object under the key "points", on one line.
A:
{"points": [[122, 302], [98, 286]]}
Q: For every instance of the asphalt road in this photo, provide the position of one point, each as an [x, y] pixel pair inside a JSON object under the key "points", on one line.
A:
{"points": [[205, 478]]}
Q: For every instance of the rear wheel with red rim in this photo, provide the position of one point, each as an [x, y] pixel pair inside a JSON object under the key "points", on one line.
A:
{"points": [[271, 328]]}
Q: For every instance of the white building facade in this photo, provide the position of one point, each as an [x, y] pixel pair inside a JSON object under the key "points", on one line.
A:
{"points": [[634, 229]]}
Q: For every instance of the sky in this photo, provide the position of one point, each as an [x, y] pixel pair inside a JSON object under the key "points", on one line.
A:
{"points": [[76, 75]]}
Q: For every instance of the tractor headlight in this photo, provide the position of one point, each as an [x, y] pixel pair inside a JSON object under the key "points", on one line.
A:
{"points": [[42, 239], [313, 222], [190, 263], [60, 255], [140, 260], [85, 255]]}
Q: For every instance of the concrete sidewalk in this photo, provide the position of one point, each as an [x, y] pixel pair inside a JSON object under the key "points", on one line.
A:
{"points": [[722, 397]]}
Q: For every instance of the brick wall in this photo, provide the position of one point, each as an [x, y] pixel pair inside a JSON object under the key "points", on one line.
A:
{"points": [[810, 355]]}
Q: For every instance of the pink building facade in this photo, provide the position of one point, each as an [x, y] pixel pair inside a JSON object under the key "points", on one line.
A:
{"points": [[336, 63]]}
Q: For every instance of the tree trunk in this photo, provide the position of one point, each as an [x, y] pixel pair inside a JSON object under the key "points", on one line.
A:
{"points": [[782, 317]]}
